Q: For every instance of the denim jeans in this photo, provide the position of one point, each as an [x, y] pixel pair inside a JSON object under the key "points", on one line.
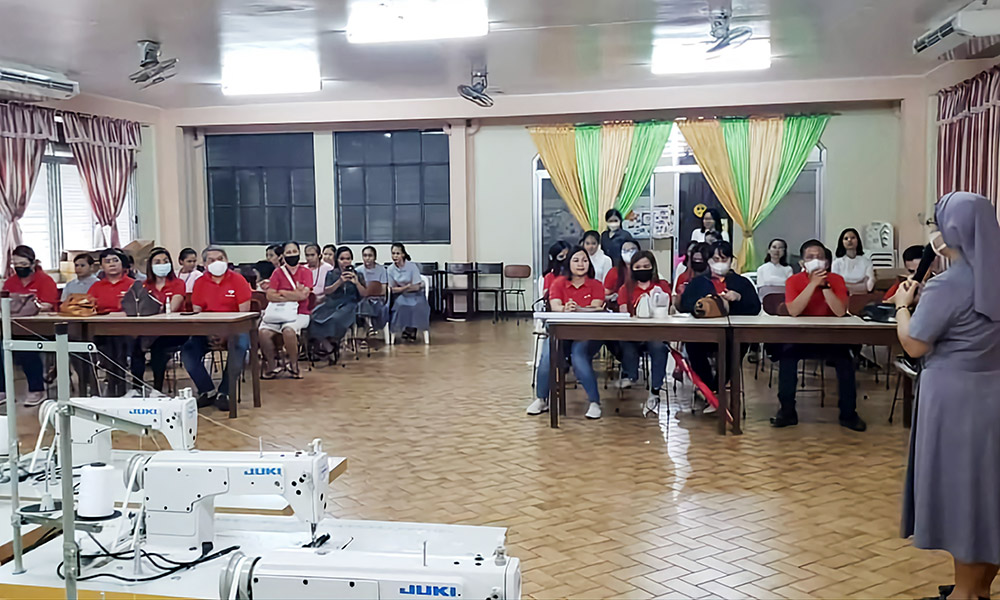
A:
{"points": [[31, 363], [583, 366], [193, 354], [840, 356], [657, 358]]}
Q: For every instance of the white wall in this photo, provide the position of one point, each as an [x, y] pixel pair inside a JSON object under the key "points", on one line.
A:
{"points": [[145, 186]]}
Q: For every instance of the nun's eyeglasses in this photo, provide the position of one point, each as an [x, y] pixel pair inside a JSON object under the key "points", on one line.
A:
{"points": [[931, 222]]}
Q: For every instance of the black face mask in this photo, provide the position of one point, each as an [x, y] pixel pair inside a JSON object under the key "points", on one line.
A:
{"points": [[23, 272], [698, 265], [642, 276], [292, 260]]}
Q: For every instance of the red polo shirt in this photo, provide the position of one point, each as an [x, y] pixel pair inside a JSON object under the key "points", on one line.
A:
{"points": [[171, 287], [39, 284], [718, 284], [817, 306], [611, 280], [632, 302], [109, 295], [547, 281], [225, 296], [280, 283], [584, 295]]}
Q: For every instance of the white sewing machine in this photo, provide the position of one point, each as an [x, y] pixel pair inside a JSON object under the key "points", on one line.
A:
{"points": [[180, 489], [176, 418]]}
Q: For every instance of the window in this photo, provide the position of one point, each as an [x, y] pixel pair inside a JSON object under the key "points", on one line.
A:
{"points": [[59, 216], [392, 186], [261, 188]]}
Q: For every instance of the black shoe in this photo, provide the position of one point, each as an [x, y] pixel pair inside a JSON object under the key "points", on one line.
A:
{"points": [[784, 420], [222, 402], [854, 423], [205, 400]]}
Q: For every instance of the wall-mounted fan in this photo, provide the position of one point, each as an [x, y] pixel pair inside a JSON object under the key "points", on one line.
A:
{"points": [[724, 34], [152, 70], [476, 93]]}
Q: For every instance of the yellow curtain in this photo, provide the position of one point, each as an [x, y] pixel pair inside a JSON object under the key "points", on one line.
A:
{"points": [[709, 147], [616, 147], [557, 148], [766, 137]]}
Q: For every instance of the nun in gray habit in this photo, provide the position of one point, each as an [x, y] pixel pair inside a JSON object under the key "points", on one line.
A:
{"points": [[952, 495]]}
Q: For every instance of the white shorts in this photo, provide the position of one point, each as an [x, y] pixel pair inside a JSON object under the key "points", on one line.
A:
{"points": [[300, 323]]}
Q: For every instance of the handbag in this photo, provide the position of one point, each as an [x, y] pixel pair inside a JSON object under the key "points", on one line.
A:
{"points": [[138, 302], [23, 305], [78, 305], [710, 307], [277, 313]]}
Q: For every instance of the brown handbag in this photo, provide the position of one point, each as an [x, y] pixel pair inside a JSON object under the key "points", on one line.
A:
{"points": [[23, 305], [78, 305], [710, 307]]}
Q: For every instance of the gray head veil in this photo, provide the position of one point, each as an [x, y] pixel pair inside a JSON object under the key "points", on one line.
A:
{"points": [[968, 223]]}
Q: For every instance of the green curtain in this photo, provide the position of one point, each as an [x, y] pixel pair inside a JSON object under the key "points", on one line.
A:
{"points": [[737, 135], [588, 164], [800, 136], [647, 148]]}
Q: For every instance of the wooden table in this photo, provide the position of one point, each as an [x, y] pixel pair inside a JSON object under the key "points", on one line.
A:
{"points": [[621, 327], [227, 325], [805, 330]]}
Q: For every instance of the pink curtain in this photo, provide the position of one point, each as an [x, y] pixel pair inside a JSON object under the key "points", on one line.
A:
{"points": [[969, 136], [104, 149], [24, 133]]}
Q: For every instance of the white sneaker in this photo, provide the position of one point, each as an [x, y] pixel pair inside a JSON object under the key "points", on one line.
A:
{"points": [[622, 384], [538, 407], [709, 410], [594, 412], [34, 399], [652, 405]]}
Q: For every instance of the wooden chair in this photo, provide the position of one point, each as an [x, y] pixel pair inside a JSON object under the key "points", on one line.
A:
{"points": [[448, 291]]}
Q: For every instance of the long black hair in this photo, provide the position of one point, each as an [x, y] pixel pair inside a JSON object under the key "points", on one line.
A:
{"points": [[715, 215], [621, 268], [652, 260], [555, 266], [27, 253], [569, 258], [783, 261], [841, 251], [593, 234], [150, 276]]}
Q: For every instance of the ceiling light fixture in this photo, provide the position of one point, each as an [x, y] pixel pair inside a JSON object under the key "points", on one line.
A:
{"points": [[381, 21], [680, 56], [289, 67]]}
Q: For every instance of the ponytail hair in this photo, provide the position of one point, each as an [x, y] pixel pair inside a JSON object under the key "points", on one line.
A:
{"points": [[402, 249]]}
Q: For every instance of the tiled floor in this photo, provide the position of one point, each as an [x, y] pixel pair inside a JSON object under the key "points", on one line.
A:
{"points": [[623, 507]]}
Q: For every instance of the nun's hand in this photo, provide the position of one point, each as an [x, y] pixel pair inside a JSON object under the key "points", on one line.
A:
{"points": [[906, 293]]}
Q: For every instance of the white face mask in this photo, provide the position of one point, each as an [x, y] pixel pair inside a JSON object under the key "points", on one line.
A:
{"points": [[614, 226], [627, 256], [161, 270], [218, 268], [816, 264], [936, 240], [720, 268]]}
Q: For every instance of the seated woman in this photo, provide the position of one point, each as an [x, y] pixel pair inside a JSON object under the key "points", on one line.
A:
{"points": [[292, 282], [332, 319], [108, 293], [739, 297], [188, 271], [852, 264], [618, 274], [168, 290], [557, 266], [591, 242], [30, 278], [775, 270], [697, 264], [376, 278], [318, 268], [329, 255], [410, 311], [641, 280], [578, 291]]}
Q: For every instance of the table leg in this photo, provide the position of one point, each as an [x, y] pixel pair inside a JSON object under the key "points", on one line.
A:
{"points": [[736, 389], [234, 364], [555, 381], [907, 401], [723, 397], [255, 363]]}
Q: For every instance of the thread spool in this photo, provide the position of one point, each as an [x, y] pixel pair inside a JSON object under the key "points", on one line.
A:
{"points": [[96, 498]]}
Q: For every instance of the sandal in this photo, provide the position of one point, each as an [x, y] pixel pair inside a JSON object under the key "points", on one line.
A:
{"points": [[293, 373], [272, 374]]}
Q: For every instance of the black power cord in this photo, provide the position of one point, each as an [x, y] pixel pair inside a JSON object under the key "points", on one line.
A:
{"points": [[180, 566]]}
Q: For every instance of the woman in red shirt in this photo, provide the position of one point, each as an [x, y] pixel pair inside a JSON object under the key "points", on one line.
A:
{"points": [[291, 282], [168, 289], [558, 253], [108, 293], [29, 278], [578, 291], [618, 273], [643, 278]]}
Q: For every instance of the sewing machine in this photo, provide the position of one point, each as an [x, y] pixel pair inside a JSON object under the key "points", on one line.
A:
{"points": [[180, 489], [176, 418]]}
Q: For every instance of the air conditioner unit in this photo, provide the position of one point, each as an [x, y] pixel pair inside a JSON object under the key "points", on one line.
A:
{"points": [[28, 84], [973, 32]]}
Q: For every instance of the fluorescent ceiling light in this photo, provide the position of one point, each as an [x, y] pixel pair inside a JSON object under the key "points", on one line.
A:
{"points": [[680, 56], [376, 21], [271, 67]]}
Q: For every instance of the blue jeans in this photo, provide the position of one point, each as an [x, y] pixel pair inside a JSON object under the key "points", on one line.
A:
{"points": [[193, 355], [657, 357], [583, 366], [31, 363]]}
